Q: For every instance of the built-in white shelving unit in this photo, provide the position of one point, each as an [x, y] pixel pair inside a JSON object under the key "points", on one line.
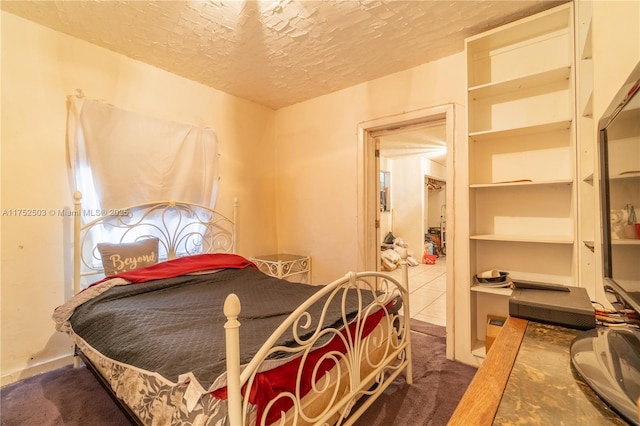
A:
{"points": [[521, 82]]}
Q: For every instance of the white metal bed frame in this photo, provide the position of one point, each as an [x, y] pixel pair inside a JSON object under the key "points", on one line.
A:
{"points": [[182, 229], [355, 373]]}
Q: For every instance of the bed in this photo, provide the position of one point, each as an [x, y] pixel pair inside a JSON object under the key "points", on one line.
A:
{"points": [[188, 332]]}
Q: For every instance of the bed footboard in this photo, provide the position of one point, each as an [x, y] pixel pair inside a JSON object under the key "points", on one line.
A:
{"points": [[340, 369]]}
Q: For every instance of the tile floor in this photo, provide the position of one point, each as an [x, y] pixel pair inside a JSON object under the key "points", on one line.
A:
{"points": [[427, 291]]}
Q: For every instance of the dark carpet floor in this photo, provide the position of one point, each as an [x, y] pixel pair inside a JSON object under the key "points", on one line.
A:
{"points": [[69, 396], [438, 385]]}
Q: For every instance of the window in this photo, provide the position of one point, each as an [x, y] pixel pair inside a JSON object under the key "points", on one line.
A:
{"points": [[120, 158], [385, 196]]}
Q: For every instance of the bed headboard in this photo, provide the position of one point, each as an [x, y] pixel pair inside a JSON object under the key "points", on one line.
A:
{"points": [[182, 229]]}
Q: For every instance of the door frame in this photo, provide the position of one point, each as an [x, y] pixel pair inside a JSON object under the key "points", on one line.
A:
{"points": [[368, 194]]}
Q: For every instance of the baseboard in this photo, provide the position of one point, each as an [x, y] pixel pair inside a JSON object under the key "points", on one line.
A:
{"points": [[34, 370]]}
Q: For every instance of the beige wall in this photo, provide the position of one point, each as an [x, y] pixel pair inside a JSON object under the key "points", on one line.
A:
{"points": [[616, 47], [317, 157], [407, 186], [40, 68]]}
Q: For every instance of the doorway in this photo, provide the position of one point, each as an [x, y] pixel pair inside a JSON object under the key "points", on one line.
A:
{"points": [[414, 159], [411, 218], [374, 138]]}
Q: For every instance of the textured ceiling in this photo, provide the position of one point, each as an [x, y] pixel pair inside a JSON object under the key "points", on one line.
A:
{"points": [[278, 53]]}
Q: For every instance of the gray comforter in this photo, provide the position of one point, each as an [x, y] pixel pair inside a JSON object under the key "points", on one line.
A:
{"points": [[176, 325]]}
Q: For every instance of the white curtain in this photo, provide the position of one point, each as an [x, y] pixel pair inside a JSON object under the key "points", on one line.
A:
{"points": [[120, 158]]}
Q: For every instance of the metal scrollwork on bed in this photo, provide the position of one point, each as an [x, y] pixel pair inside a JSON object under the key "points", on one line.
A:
{"points": [[361, 358], [182, 229]]}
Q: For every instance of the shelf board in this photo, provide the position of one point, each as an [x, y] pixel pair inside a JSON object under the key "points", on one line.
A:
{"points": [[626, 242], [630, 176], [587, 110], [543, 24], [520, 131], [479, 349], [587, 44], [527, 183], [498, 291], [521, 83], [541, 239]]}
